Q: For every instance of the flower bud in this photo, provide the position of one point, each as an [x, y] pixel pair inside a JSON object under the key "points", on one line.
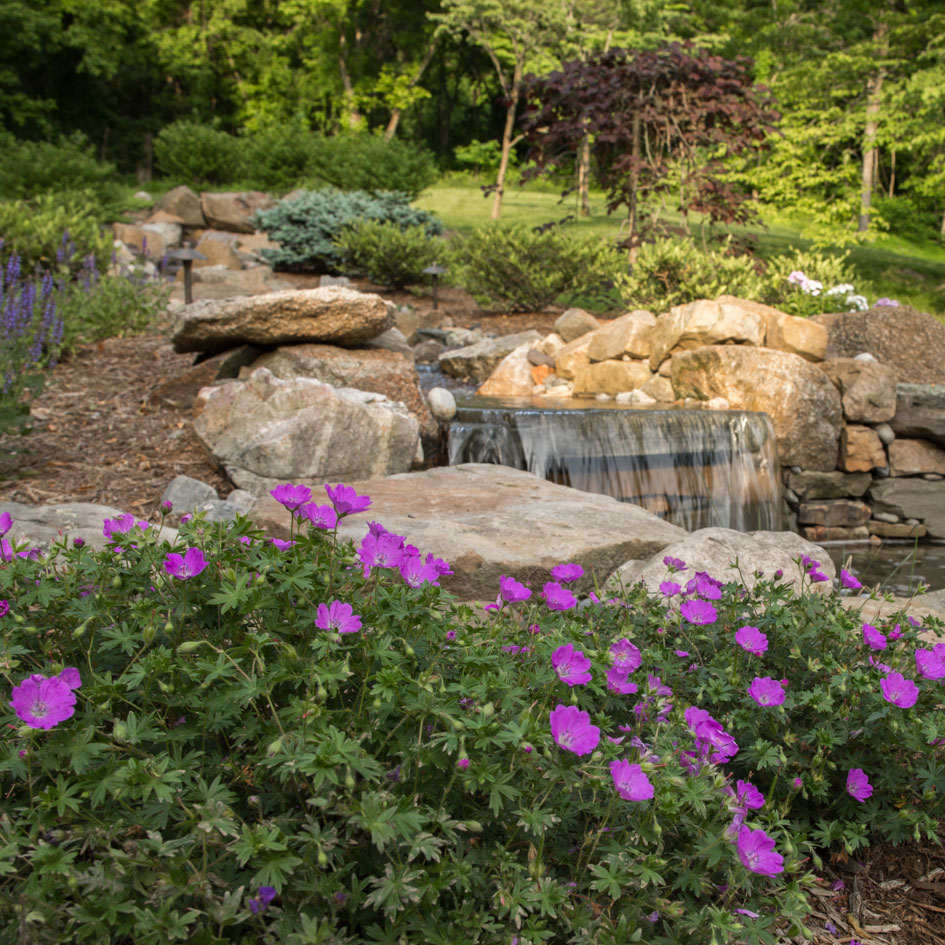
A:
{"points": [[148, 633], [322, 858], [188, 646]]}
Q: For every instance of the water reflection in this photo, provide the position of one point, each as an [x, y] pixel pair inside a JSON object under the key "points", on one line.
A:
{"points": [[899, 568]]}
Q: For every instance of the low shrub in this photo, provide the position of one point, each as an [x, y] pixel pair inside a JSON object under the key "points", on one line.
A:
{"points": [[387, 254], [243, 739], [194, 153], [367, 162], [30, 168], [524, 269], [280, 158], [672, 272], [809, 282], [307, 226]]}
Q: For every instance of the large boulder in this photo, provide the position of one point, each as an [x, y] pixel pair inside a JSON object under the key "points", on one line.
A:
{"points": [[234, 211], [861, 449], [786, 332], [912, 498], [331, 315], [477, 361], [570, 358], [911, 342], [704, 322], [183, 203], [512, 376], [492, 520], [920, 412], [144, 239], [265, 431], [631, 334], [379, 370], [610, 377], [867, 388], [728, 555], [915, 458], [811, 484], [803, 404], [575, 322]]}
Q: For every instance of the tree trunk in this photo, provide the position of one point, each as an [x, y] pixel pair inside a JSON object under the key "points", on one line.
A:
{"points": [[354, 116], [632, 215], [584, 176], [395, 114], [942, 227], [874, 89], [506, 143], [892, 174]]}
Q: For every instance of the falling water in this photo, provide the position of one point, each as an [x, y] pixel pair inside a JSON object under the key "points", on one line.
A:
{"points": [[695, 468]]}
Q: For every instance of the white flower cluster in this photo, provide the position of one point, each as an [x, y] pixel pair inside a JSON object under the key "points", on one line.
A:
{"points": [[808, 286]]}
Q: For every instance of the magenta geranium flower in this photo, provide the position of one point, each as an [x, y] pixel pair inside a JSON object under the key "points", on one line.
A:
{"points": [[572, 730], [346, 501], [757, 853], [557, 597], [747, 795], [705, 586], [848, 581], [669, 588], [698, 612], [631, 782], [751, 640], [337, 616], [6, 523], [566, 573], [931, 663], [282, 545], [319, 516], [767, 691], [291, 496], [121, 526], [711, 740], [873, 638], [4, 608], [386, 551], [899, 691], [618, 680], [44, 703], [858, 785], [416, 573], [512, 591], [674, 564], [571, 665], [626, 655], [185, 566]]}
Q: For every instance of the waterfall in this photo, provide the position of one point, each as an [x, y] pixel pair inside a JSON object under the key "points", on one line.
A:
{"points": [[695, 468]]}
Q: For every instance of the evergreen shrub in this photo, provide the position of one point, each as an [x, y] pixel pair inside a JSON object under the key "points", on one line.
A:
{"points": [[525, 270], [190, 152], [242, 739], [386, 254], [307, 225]]}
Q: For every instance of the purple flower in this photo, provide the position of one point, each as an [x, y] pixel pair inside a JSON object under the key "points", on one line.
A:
{"points": [[749, 913], [712, 741], [6, 523], [698, 612], [4, 608], [766, 691], [167, 506], [512, 591], [674, 564], [798, 783], [572, 730], [462, 764], [899, 691], [44, 703], [346, 501], [557, 597], [656, 686], [705, 586], [185, 566], [931, 663], [885, 301], [387, 551], [669, 588], [280, 544], [751, 640], [337, 616], [817, 577], [896, 633], [757, 853], [416, 573], [874, 639], [618, 681], [320, 516], [118, 526], [631, 782], [858, 785], [571, 665], [747, 795], [260, 902], [442, 567], [566, 573], [626, 655], [848, 581], [450, 635], [291, 496]]}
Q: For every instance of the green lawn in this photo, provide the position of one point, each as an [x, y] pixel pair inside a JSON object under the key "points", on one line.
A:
{"points": [[909, 271]]}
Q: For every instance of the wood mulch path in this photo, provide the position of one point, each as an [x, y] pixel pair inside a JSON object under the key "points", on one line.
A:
{"points": [[97, 439]]}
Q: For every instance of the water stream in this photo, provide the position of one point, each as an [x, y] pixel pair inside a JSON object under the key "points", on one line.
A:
{"points": [[695, 468]]}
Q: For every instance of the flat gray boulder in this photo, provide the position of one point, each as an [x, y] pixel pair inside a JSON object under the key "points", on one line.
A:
{"points": [[728, 555], [332, 315], [266, 431], [477, 361], [492, 520], [912, 498]]}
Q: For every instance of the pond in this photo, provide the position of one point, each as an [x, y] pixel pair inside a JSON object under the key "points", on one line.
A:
{"points": [[899, 568]]}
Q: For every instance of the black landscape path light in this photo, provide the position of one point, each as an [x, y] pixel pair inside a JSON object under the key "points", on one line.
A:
{"points": [[187, 255], [435, 271]]}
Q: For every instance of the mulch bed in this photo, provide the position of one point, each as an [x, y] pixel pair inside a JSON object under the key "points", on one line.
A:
{"points": [[97, 439]]}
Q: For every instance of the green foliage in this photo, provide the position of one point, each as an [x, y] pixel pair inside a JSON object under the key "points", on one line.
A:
{"points": [[29, 168], [525, 269], [829, 270], [307, 225], [397, 783], [34, 229], [280, 158], [480, 156], [386, 254], [194, 153], [369, 163], [675, 271]]}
